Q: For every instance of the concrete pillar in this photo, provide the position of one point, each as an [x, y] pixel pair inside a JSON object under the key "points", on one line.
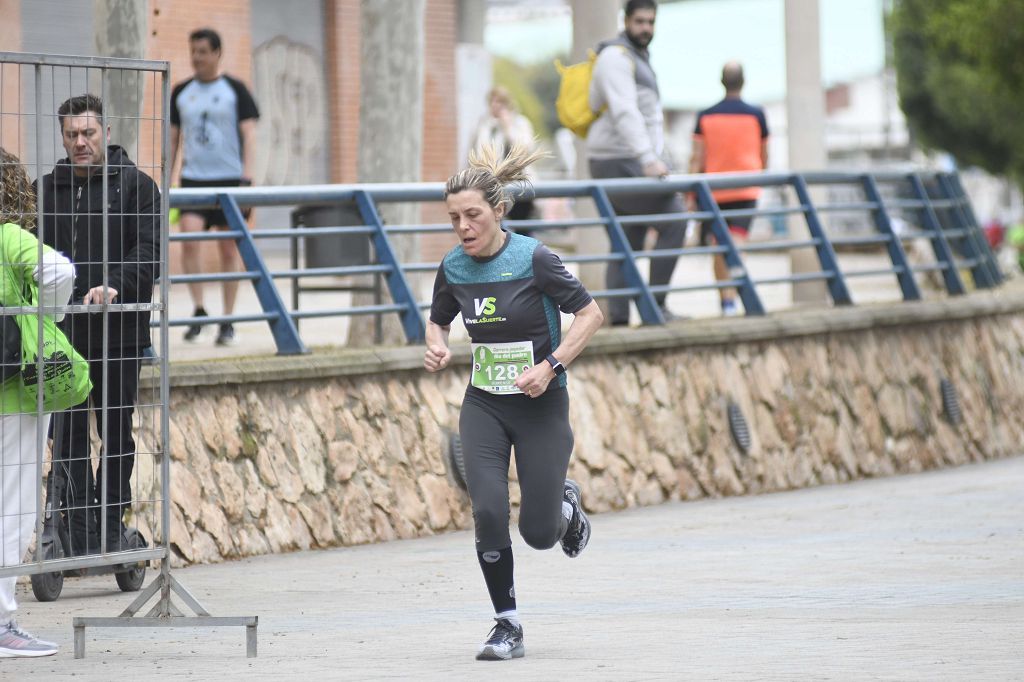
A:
{"points": [[390, 123], [805, 114], [592, 22], [474, 71], [121, 32], [472, 20]]}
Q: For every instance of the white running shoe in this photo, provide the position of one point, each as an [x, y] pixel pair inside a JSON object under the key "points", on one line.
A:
{"points": [[15, 642], [505, 642]]}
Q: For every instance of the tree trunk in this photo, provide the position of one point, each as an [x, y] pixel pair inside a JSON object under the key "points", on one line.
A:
{"points": [[390, 128], [805, 128], [121, 32]]}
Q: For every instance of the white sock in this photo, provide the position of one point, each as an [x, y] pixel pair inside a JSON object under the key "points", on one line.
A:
{"points": [[511, 616]]}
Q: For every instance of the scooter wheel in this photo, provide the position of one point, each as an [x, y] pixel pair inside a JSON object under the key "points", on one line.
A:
{"points": [[47, 586], [131, 579]]}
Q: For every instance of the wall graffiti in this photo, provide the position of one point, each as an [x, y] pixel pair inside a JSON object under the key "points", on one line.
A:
{"points": [[288, 79]]}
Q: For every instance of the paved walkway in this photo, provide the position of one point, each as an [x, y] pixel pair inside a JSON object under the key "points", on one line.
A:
{"points": [[255, 337], [912, 577]]}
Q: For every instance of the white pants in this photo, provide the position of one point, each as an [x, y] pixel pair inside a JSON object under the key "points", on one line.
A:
{"points": [[19, 493]]}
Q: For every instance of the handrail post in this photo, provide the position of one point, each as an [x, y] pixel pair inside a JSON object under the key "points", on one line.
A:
{"points": [[985, 272], [650, 313], [837, 288], [940, 245], [733, 261], [286, 336], [898, 256], [968, 208], [398, 285]]}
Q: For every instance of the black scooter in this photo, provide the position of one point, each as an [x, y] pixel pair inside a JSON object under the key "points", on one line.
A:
{"points": [[56, 540]]}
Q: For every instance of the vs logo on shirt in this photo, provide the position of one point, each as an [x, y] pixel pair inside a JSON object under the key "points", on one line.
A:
{"points": [[484, 306], [484, 310]]}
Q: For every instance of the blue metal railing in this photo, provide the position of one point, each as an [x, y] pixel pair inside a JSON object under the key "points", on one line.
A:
{"points": [[944, 213]]}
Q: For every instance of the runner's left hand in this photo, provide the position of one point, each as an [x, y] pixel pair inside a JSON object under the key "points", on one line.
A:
{"points": [[534, 381]]}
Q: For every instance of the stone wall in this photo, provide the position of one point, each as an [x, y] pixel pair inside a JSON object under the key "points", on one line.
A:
{"points": [[276, 454]]}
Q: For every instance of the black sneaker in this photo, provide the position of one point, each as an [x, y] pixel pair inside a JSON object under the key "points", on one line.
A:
{"points": [[504, 642], [195, 330], [226, 335], [577, 535]]}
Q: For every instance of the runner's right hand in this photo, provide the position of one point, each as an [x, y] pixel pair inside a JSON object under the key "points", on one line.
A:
{"points": [[436, 358]]}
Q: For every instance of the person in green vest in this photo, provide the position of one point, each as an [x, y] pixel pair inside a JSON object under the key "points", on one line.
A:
{"points": [[38, 273], [1015, 238]]}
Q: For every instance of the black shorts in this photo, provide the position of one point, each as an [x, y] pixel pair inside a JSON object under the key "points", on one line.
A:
{"points": [[214, 217], [740, 226]]}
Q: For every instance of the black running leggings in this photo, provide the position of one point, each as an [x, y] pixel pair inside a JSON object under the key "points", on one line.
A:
{"points": [[538, 428]]}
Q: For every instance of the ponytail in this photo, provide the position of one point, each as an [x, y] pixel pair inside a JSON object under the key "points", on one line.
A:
{"points": [[492, 174]]}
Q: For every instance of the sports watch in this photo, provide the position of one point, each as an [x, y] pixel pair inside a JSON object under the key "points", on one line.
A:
{"points": [[558, 367]]}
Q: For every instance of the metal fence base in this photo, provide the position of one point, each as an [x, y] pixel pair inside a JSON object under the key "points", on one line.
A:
{"points": [[165, 614]]}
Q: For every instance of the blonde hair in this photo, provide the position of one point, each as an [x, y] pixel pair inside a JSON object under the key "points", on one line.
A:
{"points": [[501, 94], [17, 198], [491, 174]]}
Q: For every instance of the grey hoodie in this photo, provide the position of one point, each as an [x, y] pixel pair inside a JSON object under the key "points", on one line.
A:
{"points": [[632, 126]]}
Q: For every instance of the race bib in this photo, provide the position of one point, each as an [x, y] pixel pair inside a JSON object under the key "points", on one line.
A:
{"points": [[497, 365]]}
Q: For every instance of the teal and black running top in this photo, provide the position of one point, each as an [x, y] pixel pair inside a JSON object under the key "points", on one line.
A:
{"points": [[514, 295]]}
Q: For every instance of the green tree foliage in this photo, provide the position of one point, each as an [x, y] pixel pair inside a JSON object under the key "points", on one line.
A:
{"points": [[544, 79], [534, 89], [960, 77]]}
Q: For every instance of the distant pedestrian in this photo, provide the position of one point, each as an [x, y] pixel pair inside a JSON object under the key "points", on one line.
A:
{"points": [[509, 290], [503, 126], [730, 136], [628, 140], [213, 124], [1015, 238]]}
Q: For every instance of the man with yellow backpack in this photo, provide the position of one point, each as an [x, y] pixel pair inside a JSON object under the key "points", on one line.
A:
{"points": [[625, 138]]}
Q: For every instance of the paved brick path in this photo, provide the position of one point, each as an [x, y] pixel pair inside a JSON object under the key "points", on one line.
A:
{"points": [[913, 577]]}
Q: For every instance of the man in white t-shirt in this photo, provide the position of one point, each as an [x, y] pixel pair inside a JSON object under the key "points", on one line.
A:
{"points": [[213, 123]]}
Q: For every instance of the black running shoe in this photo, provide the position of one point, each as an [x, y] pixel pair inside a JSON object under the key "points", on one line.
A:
{"points": [[504, 642], [226, 335], [577, 535], [195, 330]]}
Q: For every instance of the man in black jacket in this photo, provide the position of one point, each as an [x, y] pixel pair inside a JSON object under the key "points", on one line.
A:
{"points": [[76, 223]]}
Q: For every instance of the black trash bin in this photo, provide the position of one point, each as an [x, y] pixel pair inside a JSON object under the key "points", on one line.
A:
{"points": [[330, 250]]}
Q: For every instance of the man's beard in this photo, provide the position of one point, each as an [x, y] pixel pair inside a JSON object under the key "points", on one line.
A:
{"points": [[641, 40]]}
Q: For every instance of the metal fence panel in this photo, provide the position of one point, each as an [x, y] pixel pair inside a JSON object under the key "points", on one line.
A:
{"points": [[99, 504]]}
